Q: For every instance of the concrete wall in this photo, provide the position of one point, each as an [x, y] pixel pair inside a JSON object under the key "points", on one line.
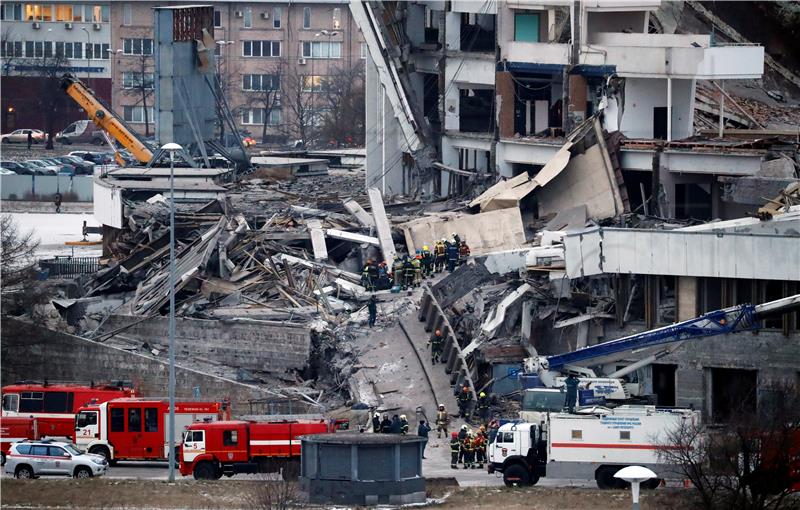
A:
{"points": [[384, 168], [642, 95], [31, 352], [23, 186], [614, 22], [253, 345]]}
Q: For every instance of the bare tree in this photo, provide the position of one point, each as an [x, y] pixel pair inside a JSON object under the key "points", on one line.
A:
{"points": [[18, 249], [274, 495], [10, 50], [750, 463], [263, 91], [226, 80], [140, 84], [343, 94], [49, 69], [301, 106]]}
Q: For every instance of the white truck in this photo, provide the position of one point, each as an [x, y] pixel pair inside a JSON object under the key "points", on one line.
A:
{"points": [[595, 443]]}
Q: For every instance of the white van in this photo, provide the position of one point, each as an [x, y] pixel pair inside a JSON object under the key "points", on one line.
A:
{"points": [[80, 132]]}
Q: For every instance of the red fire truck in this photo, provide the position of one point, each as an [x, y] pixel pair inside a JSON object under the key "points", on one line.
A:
{"points": [[54, 405], [14, 429], [210, 450], [136, 428]]}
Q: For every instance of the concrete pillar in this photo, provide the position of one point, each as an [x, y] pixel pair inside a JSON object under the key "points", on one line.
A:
{"points": [[716, 198], [425, 306], [669, 109], [687, 298], [453, 31], [504, 97], [577, 98]]}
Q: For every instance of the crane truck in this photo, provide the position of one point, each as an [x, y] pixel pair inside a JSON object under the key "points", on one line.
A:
{"points": [[106, 119], [598, 366]]}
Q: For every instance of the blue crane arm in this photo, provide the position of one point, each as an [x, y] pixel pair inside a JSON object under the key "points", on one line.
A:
{"points": [[729, 320]]}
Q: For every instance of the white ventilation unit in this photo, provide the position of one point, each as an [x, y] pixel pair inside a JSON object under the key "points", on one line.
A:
{"points": [[301, 61], [68, 26], [239, 14], [264, 15], [97, 26], [36, 25]]}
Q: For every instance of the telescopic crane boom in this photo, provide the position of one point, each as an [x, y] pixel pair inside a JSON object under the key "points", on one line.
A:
{"points": [[106, 119]]}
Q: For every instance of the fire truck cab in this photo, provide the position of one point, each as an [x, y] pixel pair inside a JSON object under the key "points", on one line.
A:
{"points": [[211, 450], [137, 429]]}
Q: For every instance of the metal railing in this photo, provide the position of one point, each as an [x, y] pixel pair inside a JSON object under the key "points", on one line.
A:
{"points": [[69, 266]]}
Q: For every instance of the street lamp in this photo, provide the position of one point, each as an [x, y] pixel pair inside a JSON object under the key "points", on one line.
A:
{"points": [[172, 148], [88, 58], [635, 475]]}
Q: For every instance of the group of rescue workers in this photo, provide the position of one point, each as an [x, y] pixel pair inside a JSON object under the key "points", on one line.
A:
{"points": [[409, 270], [467, 447], [397, 425]]}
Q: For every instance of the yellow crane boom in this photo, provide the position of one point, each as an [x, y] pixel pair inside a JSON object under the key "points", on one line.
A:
{"points": [[105, 118]]}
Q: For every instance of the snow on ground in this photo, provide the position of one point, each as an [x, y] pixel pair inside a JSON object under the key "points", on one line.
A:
{"points": [[53, 230]]}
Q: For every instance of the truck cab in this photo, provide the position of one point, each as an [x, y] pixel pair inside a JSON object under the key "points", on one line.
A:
{"points": [[519, 452]]}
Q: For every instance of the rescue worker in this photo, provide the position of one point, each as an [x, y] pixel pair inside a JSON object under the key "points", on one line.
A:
{"points": [[439, 256], [383, 277], [572, 392], [365, 280], [395, 425], [376, 423], [427, 262], [494, 425], [483, 407], [462, 436], [417, 262], [442, 421], [463, 253], [437, 343], [372, 271], [403, 425], [455, 450], [422, 431], [397, 271], [452, 256], [408, 273], [386, 424], [463, 401], [372, 307], [456, 240], [469, 452], [479, 445]]}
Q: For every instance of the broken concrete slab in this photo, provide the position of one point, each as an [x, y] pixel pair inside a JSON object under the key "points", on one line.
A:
{"points": [[382, 224], [363, 217], [352, 236], [317, 239], [484, 232]]}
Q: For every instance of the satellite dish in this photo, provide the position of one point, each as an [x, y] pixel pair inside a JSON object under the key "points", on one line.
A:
{"points": [[635, 475]]}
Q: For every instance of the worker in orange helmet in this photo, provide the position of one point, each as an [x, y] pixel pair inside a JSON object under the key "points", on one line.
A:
{"points": [[464, 398], [437, 344]]}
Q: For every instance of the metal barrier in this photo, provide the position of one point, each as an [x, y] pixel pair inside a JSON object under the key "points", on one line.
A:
{"points": [[69, 266]]}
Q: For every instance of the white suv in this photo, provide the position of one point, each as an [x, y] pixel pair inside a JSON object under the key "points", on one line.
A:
{"points": [[31, 459]]}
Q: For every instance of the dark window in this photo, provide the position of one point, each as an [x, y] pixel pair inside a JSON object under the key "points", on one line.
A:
{"points": [[118, 420], [151, 419], [55, 451], [84, 419], [230, 437], [217, 19], [56, 402], [31, 402], [39, 450], [134, 420], [24, 449]]}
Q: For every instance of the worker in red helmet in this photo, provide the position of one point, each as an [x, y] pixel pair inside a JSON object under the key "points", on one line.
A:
{"points": [[437, 344], [455, 448]]}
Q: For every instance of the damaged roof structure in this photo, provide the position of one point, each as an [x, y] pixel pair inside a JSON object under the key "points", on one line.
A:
{"points": [[606, 174]]}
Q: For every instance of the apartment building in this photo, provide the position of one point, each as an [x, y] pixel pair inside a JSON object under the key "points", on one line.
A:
{"points": [[262, 47]]}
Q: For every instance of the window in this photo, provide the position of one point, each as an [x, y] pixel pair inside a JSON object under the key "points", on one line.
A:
{"points": [[526, 27], [77, 13], [217, 19], [337, 18], [322, 49], [24, 449], [117, 420], [624, 435], [151, 419], [47, 12], [11, 402], [33, 12], [85, 418], [577, 435], [63, 12], [314, 83], [248, 18], [255, 116], [29, 49], [127, 14], [306, 17], [134, 420], [56, 451], [261, 48], [136, 114], [261, 82], [133, 80], [194, 436], [31, 402], [137, 46], [40, 450], [276, 17], [364, 50], [48, 49], [38, 49], [100, 13], [58, 402], [98, 51], [230, 437], [11, 12]]}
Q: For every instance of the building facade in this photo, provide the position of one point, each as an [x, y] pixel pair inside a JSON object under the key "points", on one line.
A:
{"points": [[264, 50]]}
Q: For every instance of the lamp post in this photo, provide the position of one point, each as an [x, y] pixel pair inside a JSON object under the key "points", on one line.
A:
{"points": [[172, 148], [635, 475], [88, 58]]}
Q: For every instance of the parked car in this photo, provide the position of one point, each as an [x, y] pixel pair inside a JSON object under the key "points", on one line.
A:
{"points": [[63, 168], [99, 158], [17, 167], [80, 132], [83, 167], [31, 459], [21, 136], [42, 167], [4, 171]]}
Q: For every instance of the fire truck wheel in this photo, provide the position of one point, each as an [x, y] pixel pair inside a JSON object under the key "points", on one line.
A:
{"points": [[102, 450], [291, 471], [516, 476], [651, 484], [604, 476], [204, 471]]}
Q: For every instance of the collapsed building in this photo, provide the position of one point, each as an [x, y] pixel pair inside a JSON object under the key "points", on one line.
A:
{"points": [[613, 183]]}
